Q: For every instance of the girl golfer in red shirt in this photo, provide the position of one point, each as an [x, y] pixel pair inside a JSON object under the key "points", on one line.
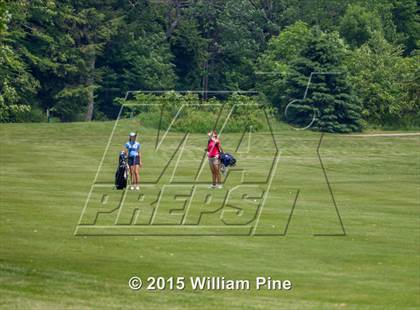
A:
{"points": [[213, 153]]}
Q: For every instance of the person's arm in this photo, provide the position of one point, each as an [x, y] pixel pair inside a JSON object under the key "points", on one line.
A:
{"points": [[220, 146], [207, 148], [141, 162]]}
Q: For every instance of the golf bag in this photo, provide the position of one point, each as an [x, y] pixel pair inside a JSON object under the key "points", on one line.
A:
{"points": [[227, 160], [121, 175]]}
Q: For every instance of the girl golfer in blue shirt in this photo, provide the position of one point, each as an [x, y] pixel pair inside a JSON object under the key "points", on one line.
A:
{"points": [[134, 159]]}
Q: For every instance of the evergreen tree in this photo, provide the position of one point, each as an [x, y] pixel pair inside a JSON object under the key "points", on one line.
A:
{"points": [[137, 58], [46, 49], [329, 95], [91, 25], [189, 50], [17, 85]]}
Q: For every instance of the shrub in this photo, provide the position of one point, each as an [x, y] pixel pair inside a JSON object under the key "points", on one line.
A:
{"points": [[195, 115]]}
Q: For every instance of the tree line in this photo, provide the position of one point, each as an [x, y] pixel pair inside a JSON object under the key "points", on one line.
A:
{"points": [[72, 58]]}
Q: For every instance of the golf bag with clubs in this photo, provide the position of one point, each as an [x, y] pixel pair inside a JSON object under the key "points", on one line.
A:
{"points": [[121, 175], [227, 160]]}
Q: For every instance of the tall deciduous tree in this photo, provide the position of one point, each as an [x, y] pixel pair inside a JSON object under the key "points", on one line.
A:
{"points": [[386, 82], [358, 25], [273, 66]]}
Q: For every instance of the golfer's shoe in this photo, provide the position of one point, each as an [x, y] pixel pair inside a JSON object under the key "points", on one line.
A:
{"points": [[132, 188], [220, 186], [137, 188], [212, 186]]}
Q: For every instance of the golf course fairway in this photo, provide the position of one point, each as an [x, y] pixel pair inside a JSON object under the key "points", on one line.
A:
{"points": [[372, 261]]}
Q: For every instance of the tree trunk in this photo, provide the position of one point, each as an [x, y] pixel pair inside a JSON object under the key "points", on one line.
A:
{"points": [[205, 79], [173, 17], [90, 85]]}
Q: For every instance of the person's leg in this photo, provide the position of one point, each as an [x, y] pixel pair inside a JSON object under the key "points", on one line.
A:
{"points": [[217, 173], [132, 172], [213, 172], [137, 175], [134, 178]]}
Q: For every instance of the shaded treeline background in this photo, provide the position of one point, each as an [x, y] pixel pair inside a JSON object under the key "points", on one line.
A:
{"points": [[75, 57]]}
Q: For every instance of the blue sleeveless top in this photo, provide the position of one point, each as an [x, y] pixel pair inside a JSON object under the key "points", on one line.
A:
{"points": [[133, 148]]}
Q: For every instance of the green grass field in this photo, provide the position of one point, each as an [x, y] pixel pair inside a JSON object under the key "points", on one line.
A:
{"points": [[47, 171]]}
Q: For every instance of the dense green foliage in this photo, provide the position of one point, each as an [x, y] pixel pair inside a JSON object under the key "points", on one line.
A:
{"points": [[73, 58], [188, 113], [388, 83], [358, 25]]}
